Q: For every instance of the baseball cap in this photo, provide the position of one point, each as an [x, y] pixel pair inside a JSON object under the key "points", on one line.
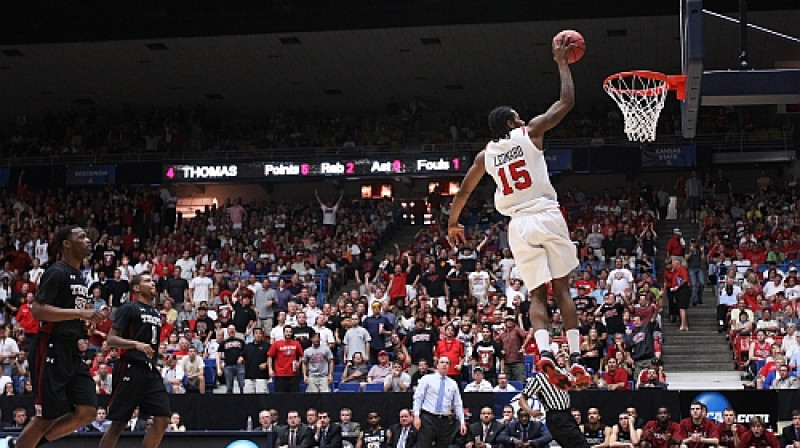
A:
{"points": [[478, 369], [676, 230], [383, 353]]}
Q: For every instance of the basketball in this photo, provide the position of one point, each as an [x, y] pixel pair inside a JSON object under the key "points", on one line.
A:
{"points": [[576, 53]]}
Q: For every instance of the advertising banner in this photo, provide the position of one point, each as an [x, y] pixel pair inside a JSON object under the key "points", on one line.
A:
{"points": [[669, 156], [91, 174]]}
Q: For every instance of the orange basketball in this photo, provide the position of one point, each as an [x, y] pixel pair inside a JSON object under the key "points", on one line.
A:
{"points": [[576, 52]]}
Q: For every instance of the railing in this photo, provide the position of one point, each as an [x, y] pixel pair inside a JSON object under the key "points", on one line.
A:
{"points": [[770, 139]]}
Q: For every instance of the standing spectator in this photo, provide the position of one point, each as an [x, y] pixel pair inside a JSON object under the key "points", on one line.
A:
{"points": [[9, 350], [620, 279], [694, 188], [302, 332], [256, 375], [244, 316], [200, 287], [422, 370], [677, 287], [317, 366], [25, 318], [403, 434], [367, 269], [231, 361], [378, 326], [452, 349], [478, 282], [641, 343], [398, 381], [265, 302], [675, 245], [488, 354], [728, 296], [118, 289], [176, 287], [758, 436], [282, 361], [512, 340], [436, 398], [188, 266], [237, 213], [329, 210], [193, 370], [698, 430], [695, 255], [422, 341]]}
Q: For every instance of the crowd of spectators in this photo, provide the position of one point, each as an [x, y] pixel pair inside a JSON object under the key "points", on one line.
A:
{"points": [[101, 132]]}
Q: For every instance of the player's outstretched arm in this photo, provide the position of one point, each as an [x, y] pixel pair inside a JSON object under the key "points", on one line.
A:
{"points": [[558, 110], [50, 313], [455, 232]]}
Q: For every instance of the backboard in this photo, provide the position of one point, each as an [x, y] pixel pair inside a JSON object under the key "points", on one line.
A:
{"points": [[737, 86]]}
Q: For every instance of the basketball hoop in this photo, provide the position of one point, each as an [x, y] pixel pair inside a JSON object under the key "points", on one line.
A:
{"points": [[640, 95]]}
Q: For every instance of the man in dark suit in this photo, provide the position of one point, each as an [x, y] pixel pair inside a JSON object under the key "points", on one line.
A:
{"points": [[528, 433], [484, 432], [136, 423], [296, 434], [327, 435], [403, 434], [790, 436]]}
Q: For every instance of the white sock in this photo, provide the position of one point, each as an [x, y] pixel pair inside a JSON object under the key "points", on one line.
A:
{"points": [[542, 338], [574, 341]]}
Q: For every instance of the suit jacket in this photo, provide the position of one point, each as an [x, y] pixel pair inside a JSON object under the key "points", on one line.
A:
{"points": [[538, 434], [333, 437], [788, 436], [304, 438], [141, 425], [353, 429], [476, 430], [396, 430]]}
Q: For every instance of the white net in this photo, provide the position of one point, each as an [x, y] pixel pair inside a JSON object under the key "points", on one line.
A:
{"points": [[640, 97]]}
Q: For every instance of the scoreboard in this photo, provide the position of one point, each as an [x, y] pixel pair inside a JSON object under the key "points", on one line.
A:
{"points": [[273, 170]]}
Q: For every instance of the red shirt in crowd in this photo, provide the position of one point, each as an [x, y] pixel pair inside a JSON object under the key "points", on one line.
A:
{"points": [[706, 429], [25, 319], [286, 356], [675, 277], [766, 440], [453, 350], [726, 434], [618, 376], [661, 437]]}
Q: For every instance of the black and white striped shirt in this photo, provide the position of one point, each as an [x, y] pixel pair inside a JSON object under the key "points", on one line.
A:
{"points": [[551, 397]]}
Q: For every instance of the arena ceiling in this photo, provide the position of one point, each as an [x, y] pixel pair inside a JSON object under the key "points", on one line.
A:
{"points": [[446, 66]]}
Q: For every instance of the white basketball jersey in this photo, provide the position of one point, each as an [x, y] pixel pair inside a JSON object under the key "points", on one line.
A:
{"points": [[520, 172]]}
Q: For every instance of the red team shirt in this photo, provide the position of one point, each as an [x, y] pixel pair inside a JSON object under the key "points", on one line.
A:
{"points": [[285, 355], [767, 440], [726, 434], [707, 429], [660, 437]]}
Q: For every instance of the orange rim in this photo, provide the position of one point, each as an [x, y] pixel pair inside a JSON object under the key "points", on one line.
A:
{"points": [[671, 82]]}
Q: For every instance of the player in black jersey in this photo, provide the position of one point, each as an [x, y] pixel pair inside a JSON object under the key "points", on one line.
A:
{"points": [[137, 381], [64, 392], [374, 437], [624, 434]]}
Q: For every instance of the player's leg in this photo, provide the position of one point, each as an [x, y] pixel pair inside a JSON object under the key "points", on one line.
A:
{"points": [[565, 430], [111, 436], [33, 432], [69, 423], [153, 436]]}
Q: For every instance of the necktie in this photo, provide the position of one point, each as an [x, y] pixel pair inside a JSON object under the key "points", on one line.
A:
{"points": [[322, 437], [291, 438], [524, 437], [402, 442], [440, 397], [485, 432]]}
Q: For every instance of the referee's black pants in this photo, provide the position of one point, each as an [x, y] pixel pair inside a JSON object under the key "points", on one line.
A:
{"points": [[565, 430], [435, 430]]}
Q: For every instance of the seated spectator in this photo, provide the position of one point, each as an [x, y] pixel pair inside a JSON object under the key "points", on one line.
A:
{"points": [[503, 385], [624, 434], [100, 423], [615, 378], [728, 296], [381, 370], [759, 350], [175, 423], [193, 369], [758, 435], [19, 418], [173, 376], [785, 379], [398, 381], [479, 383], [767, 323], [356, 370], [524, 432]]}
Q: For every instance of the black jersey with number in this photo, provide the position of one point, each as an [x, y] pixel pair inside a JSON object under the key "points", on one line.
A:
{"points": [[375, 438], [594, 436], [138, 321], [62, 286], [623, 436]]}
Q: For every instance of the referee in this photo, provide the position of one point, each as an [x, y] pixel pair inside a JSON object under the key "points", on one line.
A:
{"points": [[556, 402], [436, 399]]}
